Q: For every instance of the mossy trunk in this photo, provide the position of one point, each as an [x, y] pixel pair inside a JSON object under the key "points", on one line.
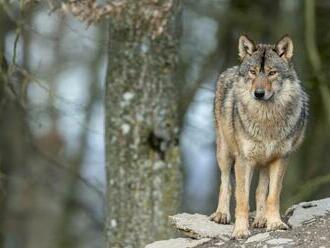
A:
{"points": [[143, 164]]}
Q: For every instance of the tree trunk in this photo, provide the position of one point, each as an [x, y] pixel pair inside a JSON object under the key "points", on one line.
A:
{"points": [[143, 165]]}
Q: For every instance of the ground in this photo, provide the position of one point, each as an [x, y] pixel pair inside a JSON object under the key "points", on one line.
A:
{"points": [[309, 222], [314, 234]]}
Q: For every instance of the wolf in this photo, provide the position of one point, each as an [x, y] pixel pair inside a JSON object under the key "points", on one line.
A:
{"points": [[261, 112]]}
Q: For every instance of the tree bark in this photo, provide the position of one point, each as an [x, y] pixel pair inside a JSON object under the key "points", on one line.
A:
{"points": [[143, 165]]}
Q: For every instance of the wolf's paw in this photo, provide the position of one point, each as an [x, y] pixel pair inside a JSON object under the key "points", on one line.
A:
{"points": [[220, 218], [276, 225], [240, 233], [259, 222]]}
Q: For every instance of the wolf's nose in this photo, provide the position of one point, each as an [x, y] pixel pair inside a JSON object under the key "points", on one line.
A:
{"points": [[259, 93]]}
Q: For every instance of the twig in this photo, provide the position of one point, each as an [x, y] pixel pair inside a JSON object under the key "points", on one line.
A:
{"points": [[66, 167], [18, 33]]}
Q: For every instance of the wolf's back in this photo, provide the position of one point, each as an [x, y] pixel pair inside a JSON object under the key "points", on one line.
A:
{"points": [[224, 88]]}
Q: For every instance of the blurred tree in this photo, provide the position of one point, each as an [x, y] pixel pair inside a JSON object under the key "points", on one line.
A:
{"points": [[13, 149], [143, 172], [40, 177]]}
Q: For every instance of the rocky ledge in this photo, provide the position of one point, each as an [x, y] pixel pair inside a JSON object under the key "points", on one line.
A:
{"points": [[310, 222]]}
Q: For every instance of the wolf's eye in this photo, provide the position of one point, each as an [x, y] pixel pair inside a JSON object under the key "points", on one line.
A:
{"points": [[253, 72], [272, 73]]}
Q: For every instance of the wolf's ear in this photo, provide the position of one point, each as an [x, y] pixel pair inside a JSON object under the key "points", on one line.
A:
{"points": [[245, 46], [284, 48]]}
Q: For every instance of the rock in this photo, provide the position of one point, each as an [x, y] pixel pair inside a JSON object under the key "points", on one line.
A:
{"points": [[178, 243], [199, 226], [310, 219], [258, 237], [279, 241], [306, 212], [219, 243]]}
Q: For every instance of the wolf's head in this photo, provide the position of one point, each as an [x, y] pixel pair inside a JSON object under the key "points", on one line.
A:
{"points": [[264, 67]]}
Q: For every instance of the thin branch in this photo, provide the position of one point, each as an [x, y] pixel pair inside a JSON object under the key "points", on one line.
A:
{"points": [[18, 33], [64, 166], [33, 79]]}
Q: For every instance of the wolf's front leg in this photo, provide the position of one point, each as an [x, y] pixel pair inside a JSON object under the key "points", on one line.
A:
{"points": [[261, 195], [243, 175], [276, 173], [225, 161]]}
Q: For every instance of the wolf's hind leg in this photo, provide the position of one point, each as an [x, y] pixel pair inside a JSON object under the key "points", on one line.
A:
{"points": [[276, 173], [261, 195], [225, 162]]}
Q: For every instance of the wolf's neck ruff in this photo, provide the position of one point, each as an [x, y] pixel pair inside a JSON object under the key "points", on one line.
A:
{"points": [[272, 120]]}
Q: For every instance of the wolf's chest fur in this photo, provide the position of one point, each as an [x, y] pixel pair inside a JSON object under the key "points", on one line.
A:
{"points": [[266, 131], [263, 151]]}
